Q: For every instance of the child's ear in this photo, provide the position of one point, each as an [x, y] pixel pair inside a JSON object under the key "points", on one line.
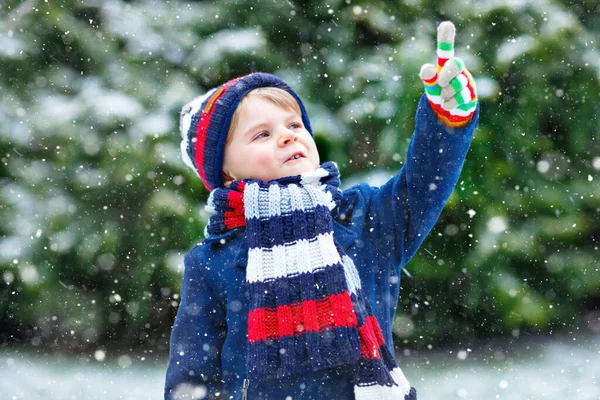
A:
{"points": [[227, 179]]}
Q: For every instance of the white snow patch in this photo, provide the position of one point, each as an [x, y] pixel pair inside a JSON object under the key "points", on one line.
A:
{"points": [[56, 109], [62, 241], [10, 248], [543, 166], [152, 125], [100, 355], [29, 275], [487, 87], [497, 224], [515, 48], [225, 42], [11, 47], [106, 104], [558, 20]]}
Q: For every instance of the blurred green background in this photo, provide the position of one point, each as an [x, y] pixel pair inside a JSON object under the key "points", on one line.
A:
{"points": [[97, 207]]}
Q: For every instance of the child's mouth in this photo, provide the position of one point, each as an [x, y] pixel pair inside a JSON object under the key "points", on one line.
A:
{"points": [[296, 156]]}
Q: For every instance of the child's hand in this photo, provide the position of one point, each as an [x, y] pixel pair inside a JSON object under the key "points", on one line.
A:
{"points": [[449, 86]]}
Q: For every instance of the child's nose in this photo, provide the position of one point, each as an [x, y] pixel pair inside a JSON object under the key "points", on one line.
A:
{"points": [[286, 137]]}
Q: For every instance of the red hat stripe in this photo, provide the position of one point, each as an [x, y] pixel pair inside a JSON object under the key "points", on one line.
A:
{"points": [[205, 116]]}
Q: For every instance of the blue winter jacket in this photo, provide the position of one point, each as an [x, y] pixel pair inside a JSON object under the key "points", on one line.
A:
{"points": [[380, 228]]}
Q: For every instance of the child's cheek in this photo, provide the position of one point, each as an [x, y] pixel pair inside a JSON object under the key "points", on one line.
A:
{"points": [[265, 161]]}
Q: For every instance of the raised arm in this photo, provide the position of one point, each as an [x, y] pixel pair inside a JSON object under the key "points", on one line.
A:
{"points": [[402, 212]]}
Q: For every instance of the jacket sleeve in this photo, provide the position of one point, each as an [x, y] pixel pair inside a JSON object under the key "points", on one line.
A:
{"points": [[194, 369], [402, 211]]}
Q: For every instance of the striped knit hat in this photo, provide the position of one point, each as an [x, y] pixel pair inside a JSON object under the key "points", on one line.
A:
{"points": [[204, 123]]}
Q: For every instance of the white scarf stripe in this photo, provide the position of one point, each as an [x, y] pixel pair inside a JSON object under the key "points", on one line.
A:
{"points": [[311, 178], [296, 197], [401, 380], [291, 259], [351, 275], [378, 393], [274, 203], [251, 207]]}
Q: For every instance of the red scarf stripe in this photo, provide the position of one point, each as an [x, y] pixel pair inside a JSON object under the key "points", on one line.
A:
{"points": [[240, 186], [334, 311], [372, 321], [371, 338], [235, 200], [201, 129], [233, 220]]}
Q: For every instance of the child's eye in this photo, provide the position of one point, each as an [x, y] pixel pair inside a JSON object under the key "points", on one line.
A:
{"points": [[262, 135], [295, 125]]}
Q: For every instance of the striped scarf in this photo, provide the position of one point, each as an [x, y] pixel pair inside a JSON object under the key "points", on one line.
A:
{"points": [[307, 309]]}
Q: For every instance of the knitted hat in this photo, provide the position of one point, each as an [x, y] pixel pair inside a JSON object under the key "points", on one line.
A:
{"points": [[204, 123]]}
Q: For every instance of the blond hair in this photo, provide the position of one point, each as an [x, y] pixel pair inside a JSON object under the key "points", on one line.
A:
{"points": [[277, 96]]}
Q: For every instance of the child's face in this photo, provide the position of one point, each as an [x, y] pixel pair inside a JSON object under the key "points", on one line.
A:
{"points": [[269, 142]]}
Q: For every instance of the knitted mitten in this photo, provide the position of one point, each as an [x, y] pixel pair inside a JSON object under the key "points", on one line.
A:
{"points": [[449, 87]]}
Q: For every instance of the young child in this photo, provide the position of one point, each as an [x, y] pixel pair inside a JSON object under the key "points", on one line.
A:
{"points": [[293, 293]]}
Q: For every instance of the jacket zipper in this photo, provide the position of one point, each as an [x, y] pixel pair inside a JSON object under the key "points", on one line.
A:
{"points": [[245, 389]]}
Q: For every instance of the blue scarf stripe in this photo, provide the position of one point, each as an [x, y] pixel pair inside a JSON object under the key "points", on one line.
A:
{"points": [[388, 357], [285, 228], [298, 288], [412, 395], [302, 353], [371, 373]]}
